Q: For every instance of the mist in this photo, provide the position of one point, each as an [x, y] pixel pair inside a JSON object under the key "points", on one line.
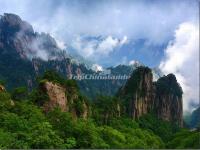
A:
{"points": [[64, 19], [156, 21]]}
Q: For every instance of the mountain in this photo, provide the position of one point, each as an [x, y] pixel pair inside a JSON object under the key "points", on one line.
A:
{"points": [[63, 94], [138, 97], [54, 112], [141, 95], [194, 118], [26, 55], [56, 115]]}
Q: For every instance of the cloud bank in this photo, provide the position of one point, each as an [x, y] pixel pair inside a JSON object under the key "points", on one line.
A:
{"points": [[94, 48], [182, 59], [153, 20]]}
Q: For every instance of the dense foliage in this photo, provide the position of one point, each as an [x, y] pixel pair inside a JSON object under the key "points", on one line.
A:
{"points": [[185, 139], [23, 124], [158, 126]]}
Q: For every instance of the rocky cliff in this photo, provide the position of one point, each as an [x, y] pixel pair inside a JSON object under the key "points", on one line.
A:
{"points": [[2, 89], [168, 100], [139, 90], [57, 97], [29, 54], [141, 96], [67, 99]]}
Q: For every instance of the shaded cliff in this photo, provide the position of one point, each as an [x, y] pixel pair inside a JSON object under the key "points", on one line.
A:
{"points": [[141, 95], [29, 54], [195, 118], [168, 100], [138, 92]]}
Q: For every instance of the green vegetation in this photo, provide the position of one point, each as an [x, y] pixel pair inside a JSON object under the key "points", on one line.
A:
{"points": [[158, 126], [20, 93], [56, 78], [23, 124], [185, 139]]}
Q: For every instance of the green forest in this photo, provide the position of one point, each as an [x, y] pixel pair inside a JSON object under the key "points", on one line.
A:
{"points": [[24, 124]]}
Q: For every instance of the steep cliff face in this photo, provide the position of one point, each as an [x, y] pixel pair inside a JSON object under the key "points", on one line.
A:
{"points": [[139, 90], [57, 97], [20, 36], [168, 100], [28, 54], [66, 100], [142, 96]]}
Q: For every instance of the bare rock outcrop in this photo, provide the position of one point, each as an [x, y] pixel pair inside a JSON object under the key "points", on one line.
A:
{"points": [[139, 92], [57, 96], [67, 100], [164, 98], [142, 98], [168, 100], [2, 89]]}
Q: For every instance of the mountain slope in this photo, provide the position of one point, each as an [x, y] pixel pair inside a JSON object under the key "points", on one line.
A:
{"points": [[195, 118], [141, 96], [26, 55]]}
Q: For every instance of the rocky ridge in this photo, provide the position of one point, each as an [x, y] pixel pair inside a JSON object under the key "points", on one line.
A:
{"points": [[29, 54], [142, 96]]}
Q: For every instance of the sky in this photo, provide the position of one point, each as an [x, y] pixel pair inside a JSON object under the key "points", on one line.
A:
{"points": [[157, 33]]}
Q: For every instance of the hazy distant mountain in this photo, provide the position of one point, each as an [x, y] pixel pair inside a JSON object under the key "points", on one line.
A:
{"points": [[26, 54]]}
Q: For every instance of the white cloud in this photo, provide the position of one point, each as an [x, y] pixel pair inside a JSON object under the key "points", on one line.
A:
{"points": [[124, 40], [134, 62], [136, 19], [97, 67], [61, 44], [95, 48], [153, 21], [107, 46], [182, 59]]}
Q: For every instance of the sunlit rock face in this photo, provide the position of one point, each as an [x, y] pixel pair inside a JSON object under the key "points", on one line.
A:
{"points": [[2, 89], [59, 96]]}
